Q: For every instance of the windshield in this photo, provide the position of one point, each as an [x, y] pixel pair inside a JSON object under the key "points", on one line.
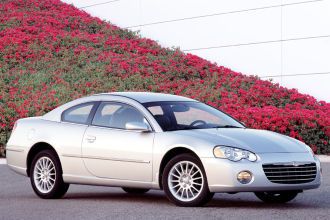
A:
{"points": [[173, 116]]}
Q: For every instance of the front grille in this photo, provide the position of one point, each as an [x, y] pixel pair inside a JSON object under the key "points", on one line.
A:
{"points": [[290, 173]]}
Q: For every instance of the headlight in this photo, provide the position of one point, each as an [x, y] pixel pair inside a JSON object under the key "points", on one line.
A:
{"points": [[233, 154]]}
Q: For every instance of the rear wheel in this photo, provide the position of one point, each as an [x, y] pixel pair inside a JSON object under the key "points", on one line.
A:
{"points": [[184, 181], [135, 190], [46, 176], [277, 197]]}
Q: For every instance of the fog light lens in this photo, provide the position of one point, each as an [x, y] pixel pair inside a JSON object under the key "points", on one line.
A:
{"points": [[244, 177]]}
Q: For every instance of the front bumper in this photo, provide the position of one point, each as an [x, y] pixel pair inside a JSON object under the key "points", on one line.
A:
{"points": [[222, 173]]}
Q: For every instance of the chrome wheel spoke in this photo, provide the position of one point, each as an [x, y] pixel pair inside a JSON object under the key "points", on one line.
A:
{"points": [[191, 170], [194, 174], [47, 185], [193, 179], [177, 170], [191, 192], [175, 175], [181, 196], [178, 190], [43, 163], [38, 166], [192, 186], [199, 184], [181, 167]]}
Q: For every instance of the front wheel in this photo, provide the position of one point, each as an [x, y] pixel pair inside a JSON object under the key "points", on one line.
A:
{"points": [[46, 176], [277, 197], [184, 181]]}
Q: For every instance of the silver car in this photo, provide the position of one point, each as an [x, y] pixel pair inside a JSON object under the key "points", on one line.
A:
{"points": [[141, 141]]}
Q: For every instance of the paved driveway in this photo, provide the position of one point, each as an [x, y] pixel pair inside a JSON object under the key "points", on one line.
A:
{"points": [[17, 201]]}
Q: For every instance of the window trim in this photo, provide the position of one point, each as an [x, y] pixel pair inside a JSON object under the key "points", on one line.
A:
{"points": [[122, 103], [95, 104]]}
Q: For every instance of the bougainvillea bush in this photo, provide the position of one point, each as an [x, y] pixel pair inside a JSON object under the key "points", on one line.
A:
{"points": [[52, 52]]}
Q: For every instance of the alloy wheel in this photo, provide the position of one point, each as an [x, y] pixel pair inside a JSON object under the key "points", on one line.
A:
{"points": [[185, 181], [44, 174]]}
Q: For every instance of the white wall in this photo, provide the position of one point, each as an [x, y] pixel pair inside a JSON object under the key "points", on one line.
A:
{"points": [[287, 41]]}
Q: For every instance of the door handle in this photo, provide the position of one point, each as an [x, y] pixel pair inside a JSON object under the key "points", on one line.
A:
{"points": [[90, 138]]}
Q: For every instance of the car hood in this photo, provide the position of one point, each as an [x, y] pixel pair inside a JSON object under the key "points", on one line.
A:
{"points": [[258, 141]]}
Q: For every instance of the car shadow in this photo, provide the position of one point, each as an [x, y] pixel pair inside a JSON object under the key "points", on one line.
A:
{"points": [[227, 203], [154, 197], [119, 196]]}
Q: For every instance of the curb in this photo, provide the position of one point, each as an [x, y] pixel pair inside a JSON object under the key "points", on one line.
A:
{"points": [[323, 158]]}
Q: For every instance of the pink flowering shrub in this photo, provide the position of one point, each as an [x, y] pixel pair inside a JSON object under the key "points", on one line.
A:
{"points": [[51, 52]]}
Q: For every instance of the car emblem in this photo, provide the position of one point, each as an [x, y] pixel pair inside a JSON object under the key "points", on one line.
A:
{"points": [[295, 164]]}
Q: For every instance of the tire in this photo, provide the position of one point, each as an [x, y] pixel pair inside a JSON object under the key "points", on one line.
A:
{"points": [[135, 190], [277, 197], [55, 187], [186, 186]]}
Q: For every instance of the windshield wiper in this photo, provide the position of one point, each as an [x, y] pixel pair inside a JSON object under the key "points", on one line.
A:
{"points": [[226, 126]]}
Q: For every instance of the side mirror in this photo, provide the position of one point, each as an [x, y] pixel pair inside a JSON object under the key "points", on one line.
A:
{"points": [[243, 123], [137, 126]]}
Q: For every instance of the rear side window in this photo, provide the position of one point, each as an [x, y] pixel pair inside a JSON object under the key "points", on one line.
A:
{"points": [[78, 114]]}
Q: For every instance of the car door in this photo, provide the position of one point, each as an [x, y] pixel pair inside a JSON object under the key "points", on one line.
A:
{"points": [[69, 133], [109, 150]]}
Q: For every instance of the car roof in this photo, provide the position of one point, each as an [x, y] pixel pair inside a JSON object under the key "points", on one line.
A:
{"points": [[144, 97], [140, 97]]}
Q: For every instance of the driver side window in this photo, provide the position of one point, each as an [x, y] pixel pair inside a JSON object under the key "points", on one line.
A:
{"points": [[116, 115]]}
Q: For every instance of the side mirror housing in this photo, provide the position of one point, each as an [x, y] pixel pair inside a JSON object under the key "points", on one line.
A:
{"points": [[137, 126]]}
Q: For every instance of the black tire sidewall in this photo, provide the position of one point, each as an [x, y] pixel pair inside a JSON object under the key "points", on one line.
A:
{"points": [[60, 187], [205, 194]]}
